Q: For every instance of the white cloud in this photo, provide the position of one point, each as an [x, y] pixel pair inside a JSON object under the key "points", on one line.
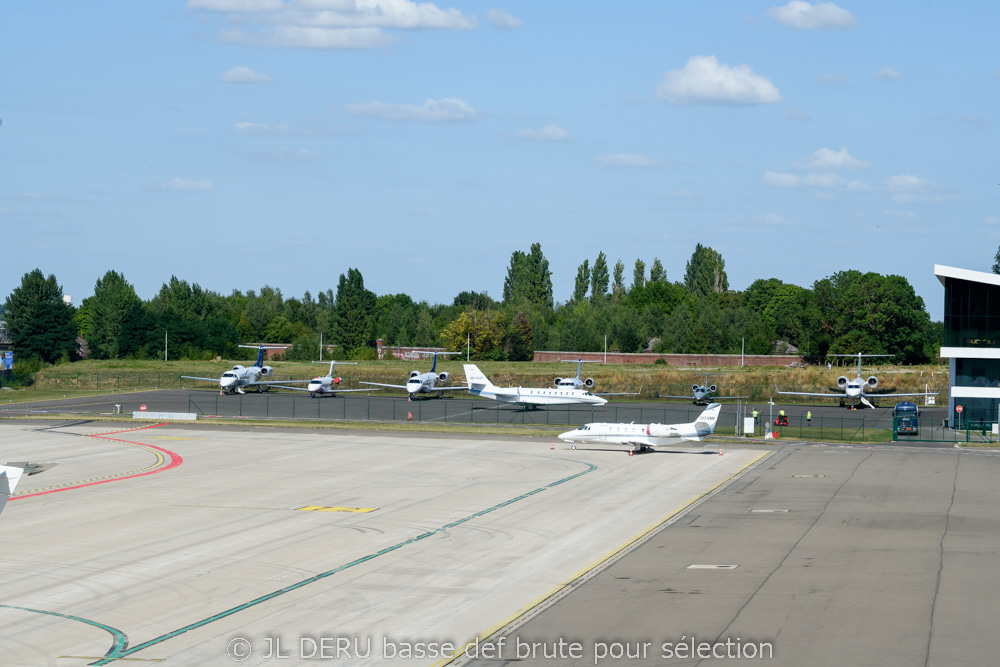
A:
{"points": [[502, 20], [260, 129], [329, 24], [858, 186], [681, 194], [235, 5], [299, 37], [889, 74], [626, 160], [976, 120], [449, 109], [187, 185], [832, 79], [816, 180], [283, 154], [244, 75], [547, 133], [906, 182], [826, 158], [704, 80], [821, 16]]}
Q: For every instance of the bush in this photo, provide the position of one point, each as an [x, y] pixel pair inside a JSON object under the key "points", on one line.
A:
{"points": [[660, 362], [24, 371]]}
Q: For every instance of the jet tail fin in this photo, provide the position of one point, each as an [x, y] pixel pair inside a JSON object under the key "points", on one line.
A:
{"points": [[705, 424], [475, 378]]}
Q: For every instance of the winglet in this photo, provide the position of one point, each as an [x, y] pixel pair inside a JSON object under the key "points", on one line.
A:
{"points": [[11, 473]]}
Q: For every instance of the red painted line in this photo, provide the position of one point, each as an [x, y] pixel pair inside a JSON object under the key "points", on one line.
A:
{"points": [[175, 460]]}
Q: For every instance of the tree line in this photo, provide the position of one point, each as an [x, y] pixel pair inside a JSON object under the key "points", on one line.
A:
{"points": [[844, 313]]}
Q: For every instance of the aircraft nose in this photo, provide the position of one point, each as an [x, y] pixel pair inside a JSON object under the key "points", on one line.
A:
{"points": [[227, 382]]}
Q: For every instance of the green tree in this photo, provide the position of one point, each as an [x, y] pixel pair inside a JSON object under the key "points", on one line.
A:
{"points": [[657, 274], [872, 313], [529, 279], [582, 281], [599, 278], [618, 286], [996, 262], [40, 325], [639, 274], [115, 313], [485, 330], [705, 272], [354, 312], [519, 345]]}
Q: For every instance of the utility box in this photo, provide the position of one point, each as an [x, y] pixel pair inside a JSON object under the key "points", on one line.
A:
{"points": [[748, 426]]}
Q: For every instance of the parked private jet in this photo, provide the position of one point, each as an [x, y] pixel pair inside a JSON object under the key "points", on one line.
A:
{"points": [[241, 377], [480, 385], [854, 390], [703, 394], [11, 473], [643, 437], [578, 383], [423, 383], [326, 384]]}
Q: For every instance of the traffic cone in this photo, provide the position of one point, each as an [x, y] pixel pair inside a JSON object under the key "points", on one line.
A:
{"points": [[552, 446], [720, 451], [630, 452]]}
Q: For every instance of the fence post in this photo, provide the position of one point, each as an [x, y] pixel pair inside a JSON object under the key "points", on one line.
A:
{"points": [[445, 411], [267, 405], [240, 413], [293, 407], [369, 415], [319, 400]]}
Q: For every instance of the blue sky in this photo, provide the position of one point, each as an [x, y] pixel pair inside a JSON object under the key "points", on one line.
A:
{"points": [[237, 143]]}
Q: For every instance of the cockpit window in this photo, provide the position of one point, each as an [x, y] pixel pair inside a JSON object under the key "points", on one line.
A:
{"points": [[228, 375]]}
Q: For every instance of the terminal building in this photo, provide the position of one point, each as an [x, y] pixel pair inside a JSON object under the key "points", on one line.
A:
{"points": [[971, 343]]}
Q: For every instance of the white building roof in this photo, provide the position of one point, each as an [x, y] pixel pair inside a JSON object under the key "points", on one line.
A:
{"points": [[943, 272]]}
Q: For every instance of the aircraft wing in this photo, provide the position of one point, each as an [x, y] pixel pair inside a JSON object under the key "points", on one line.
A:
{"points": [[450, 388], [189, 377], [619, 393], [251, 384], [724, 398], [332, 391], [689, 396], [391, 386], [923, 393], [810, 393]]}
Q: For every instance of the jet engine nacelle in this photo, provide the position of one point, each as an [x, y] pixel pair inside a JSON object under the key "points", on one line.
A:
{"points": [[414, 374], [237, 367], [443, 377], [712, 389], [589, 383], [266, 370], [872, 382], [558, 381], [694, 387], [842, 381]]}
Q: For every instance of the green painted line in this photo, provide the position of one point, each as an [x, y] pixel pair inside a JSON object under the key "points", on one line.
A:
{"points": [[121, 639], [123, 653]]}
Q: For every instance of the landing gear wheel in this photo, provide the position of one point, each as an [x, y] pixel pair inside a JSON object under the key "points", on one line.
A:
{"points": [[312, 394], [260, 388]]}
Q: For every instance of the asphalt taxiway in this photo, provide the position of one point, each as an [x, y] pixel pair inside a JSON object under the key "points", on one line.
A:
{"points": [[275, 404]]}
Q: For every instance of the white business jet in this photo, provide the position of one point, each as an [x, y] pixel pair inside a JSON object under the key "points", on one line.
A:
{"points": [[11, 473], [241, 377], [423, 383], [704, 393], [853, 391], [578, 383], [325, 384], [480, 385], [643, 437]]}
